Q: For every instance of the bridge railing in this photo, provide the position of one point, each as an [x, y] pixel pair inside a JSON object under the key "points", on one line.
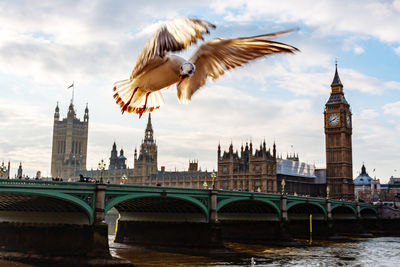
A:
{"points": [[146, 188], [40, 183]]}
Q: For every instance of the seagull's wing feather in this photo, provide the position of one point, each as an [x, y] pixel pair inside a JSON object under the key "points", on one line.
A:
{"points": [[175, 35], [212, 59]]}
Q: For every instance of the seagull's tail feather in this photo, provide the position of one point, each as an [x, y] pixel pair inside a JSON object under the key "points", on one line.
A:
{"points": [[132, 99]]}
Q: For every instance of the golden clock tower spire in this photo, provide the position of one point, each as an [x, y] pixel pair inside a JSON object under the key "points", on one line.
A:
{"points": [[338, 131]]}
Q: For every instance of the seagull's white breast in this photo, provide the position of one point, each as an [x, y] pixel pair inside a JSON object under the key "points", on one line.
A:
{"points": [[161, 76]]}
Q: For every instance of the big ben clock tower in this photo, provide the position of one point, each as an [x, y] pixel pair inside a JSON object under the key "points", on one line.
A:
{"points": [[338, 130]]}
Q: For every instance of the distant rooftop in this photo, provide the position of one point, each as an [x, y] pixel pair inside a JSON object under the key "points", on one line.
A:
{"points": [[295, 168]]}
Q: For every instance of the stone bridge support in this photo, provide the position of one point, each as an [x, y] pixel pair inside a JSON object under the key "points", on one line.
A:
{"points": [[284, 224], [100, 227], [53, 223], [329, 219]]}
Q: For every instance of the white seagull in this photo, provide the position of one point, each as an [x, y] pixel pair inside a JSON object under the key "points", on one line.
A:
{"points": [[156, 68]]}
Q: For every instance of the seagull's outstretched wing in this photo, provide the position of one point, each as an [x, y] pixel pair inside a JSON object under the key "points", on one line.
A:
{"points": [[175, 35], [212, 59]]}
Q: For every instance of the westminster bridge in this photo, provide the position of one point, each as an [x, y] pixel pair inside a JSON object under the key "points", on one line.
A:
{"points": [[69, 217]]}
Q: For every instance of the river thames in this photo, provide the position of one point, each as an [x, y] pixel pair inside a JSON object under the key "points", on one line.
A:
{"points": [[381, 251]]}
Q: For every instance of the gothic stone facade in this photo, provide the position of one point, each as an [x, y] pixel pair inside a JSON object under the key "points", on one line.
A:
{"points": [[70, 138], [247, 171]]}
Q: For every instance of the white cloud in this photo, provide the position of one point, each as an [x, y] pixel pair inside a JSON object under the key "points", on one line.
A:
{"points": [[369, 114], [397, 50], [392, 108], [359, 50], [372, 18], [46, 45]]}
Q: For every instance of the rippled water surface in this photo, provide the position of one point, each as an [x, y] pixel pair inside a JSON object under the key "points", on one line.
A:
{"points": [[371, 252], [383, 251]]}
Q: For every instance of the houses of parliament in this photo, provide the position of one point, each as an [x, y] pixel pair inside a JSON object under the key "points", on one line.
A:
{"points": [[252, 168]]}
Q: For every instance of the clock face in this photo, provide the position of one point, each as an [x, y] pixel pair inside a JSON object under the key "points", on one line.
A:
{"points": [[333, 119], [348, 120]]}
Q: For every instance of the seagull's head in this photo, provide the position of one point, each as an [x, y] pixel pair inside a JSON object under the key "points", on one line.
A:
{"points": [[186, 71]]}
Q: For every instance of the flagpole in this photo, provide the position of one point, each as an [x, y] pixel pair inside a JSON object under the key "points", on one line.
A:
{"points": [[73, 89]]}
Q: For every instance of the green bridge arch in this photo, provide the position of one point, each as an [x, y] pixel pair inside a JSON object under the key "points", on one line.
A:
{"points": [[117, 200], [58, 195], [369, 208], [227, 201], [297, 202], [346, 206]]}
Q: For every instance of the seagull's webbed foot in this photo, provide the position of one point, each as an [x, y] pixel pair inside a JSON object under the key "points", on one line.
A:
{"points": [[143, 109], [125, 107]]}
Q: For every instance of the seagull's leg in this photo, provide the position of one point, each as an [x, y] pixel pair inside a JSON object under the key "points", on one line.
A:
{"points": [[125, 107], [144, 107]]}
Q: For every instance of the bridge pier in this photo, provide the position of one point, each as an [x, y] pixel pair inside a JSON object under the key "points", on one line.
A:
{"points": [[329, 219], [284, 223], [52, 240]]}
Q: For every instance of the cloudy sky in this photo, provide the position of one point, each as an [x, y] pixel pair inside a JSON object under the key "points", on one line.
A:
{"points": [[46, 45]]}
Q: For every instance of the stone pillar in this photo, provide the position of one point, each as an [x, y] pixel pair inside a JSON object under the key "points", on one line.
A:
{"points": [[284, 225], [213, 215], [329, 219], [358, 210], [328, 209], [99, 212], [100, 228], [284, 207]]}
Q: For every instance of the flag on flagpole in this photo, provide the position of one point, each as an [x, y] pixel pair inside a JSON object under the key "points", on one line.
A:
{"points": [[72, 85]]}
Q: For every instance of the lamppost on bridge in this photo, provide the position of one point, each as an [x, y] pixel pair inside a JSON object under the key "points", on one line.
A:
{"points": [[124, 179], [283, 183], [205, 185], [328, 190], [102, 166], [213, 176], [3, 169]]}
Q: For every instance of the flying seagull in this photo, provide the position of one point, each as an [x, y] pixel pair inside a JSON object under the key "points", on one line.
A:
{"points": [[156, 68]]}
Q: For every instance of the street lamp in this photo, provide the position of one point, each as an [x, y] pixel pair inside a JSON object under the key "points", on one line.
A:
{"points": [[328, 190], [283, 183], [213, 176], [205, 185], [102, 166], [3, 169], [124, 179]]}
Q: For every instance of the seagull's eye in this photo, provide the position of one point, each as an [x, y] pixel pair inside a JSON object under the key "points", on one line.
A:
{"points": [[190, 71]]}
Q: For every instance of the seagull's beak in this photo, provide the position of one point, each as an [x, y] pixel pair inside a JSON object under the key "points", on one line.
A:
{"points": [[181, 78]]}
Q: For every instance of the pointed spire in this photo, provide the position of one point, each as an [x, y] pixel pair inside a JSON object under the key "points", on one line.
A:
{"points": [[57, 112], [86, 116], [274, 150], [336, 80], [149, 131]]}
